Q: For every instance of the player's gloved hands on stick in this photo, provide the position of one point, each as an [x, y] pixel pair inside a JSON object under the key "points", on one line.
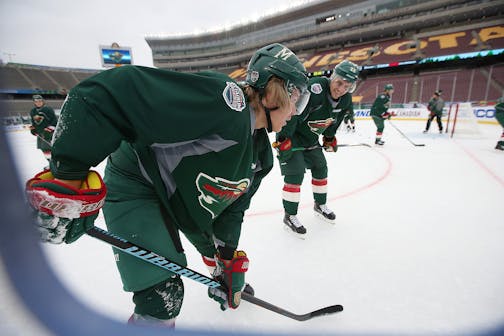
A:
{"points": [[386, 115], [330, 144], [231, 274], [64, 213], [49, 129], [32, 130], [283, 147]]}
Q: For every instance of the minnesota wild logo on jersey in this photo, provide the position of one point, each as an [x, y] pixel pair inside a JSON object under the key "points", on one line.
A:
{"points": [[217, 193], [319, 126]]}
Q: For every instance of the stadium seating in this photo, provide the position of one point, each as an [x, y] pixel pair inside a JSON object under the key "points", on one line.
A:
{"points": [[399, 33], [457, 85], [40, 78]]}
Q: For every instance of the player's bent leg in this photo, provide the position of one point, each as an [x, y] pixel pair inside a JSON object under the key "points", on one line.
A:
{"points": [[160, 304]]}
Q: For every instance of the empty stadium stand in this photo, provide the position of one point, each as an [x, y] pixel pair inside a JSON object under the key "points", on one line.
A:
{"points": [[20, 81], [25, 78], [476, 85], [377, 35]]}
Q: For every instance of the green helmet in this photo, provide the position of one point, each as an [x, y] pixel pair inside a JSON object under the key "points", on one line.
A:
{"points": [[347, 71], [37, 97], [277, 60], [389, 87]]}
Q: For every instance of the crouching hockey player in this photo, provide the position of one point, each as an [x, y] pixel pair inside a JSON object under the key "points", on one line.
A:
{"points": [[329, 103], [174, 165]]}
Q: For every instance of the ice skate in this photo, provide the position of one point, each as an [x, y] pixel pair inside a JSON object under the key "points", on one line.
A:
{"points": [[293, 225], [500, 145], [324, 213], [379, 142]]}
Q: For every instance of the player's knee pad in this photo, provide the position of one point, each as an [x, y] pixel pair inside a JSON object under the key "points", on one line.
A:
{"points": [[162, 301], [319, 173], [294, 179]]}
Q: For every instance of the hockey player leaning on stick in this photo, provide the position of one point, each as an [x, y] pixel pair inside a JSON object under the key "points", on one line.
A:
{"points": [[330, 100], [187, 153]]}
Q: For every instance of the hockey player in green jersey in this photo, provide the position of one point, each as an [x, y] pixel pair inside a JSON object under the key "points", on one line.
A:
{"points": [[329, 102], [186, 152], [499, 115], [435, 106], [43, 122], [379, 112]]}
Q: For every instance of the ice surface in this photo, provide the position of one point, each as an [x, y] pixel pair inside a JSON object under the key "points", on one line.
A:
{"points": [[417, 247]]}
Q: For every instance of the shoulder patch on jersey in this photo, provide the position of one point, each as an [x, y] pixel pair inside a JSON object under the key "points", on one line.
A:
{"points": [[234, 97], [316, 88]]}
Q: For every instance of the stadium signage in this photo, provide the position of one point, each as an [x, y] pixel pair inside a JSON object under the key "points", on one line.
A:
{"points": [[402, 50], [394, 53], [482, 113]]}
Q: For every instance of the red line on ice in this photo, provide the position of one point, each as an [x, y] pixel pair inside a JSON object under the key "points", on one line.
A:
{"points": [[481, 164], [379, 179]]}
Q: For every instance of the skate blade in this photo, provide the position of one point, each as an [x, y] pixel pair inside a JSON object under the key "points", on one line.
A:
{"points": [[321, 217], [295, 234]]}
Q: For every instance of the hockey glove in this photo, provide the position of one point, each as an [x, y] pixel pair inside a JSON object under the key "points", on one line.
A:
{"points": [[49, 129], [283, 147], [32, 130], [386, 115], [330, 144], [231, 275], [64, 213], [210, 264]]}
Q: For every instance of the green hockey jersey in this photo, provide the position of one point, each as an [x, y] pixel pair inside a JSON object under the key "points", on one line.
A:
{"points": [[322, 116], [193, 135], [380, 105]]}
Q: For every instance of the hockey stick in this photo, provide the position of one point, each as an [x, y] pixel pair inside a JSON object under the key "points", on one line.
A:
{"points": [[47, 142], [302, 317], [160, 261], [296, 149], [404, 136]]}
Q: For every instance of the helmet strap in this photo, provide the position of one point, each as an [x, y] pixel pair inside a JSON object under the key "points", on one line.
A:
{"points": [[267, 111]]}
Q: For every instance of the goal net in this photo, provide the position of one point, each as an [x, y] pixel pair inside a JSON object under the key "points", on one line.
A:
{"points": [[461, 121]]}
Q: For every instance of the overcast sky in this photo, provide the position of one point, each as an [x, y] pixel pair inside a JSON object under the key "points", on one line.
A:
{"points": [[68, 33]]}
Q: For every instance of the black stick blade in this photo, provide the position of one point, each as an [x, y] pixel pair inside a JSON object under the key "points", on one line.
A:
{"points": [[298, 317], [327, 311]]}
